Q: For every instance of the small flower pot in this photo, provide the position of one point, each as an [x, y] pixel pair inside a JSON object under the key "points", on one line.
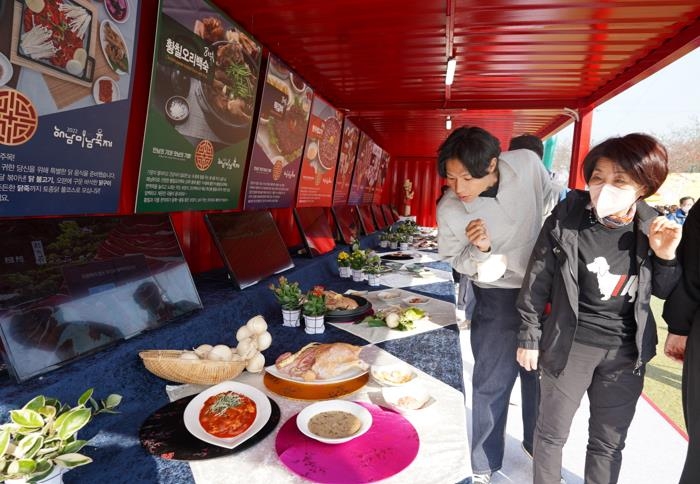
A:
{"points": [[373, 279], [344, 272], [383, 244], [403, 246], [394, 245], [357, 275], [410, 239], [314, 324], [290, 317]]}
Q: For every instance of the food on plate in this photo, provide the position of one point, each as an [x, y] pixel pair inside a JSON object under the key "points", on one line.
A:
{"points": [[287, 133], [395, 318], [336, 301], [114, 48], [177, 109], [407, 397], [317, 361], [52, 32], [328, 144], [416, 300], [232, 91], [388, 295], [227, 414], [118, 9], [210, 29], [334, 424], [393, 374], [105, 90]]}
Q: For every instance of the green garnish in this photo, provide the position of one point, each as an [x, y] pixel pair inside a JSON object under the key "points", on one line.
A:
{"points": [[224, 402], [240, 81]]}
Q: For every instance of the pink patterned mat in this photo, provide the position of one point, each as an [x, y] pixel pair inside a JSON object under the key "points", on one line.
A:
{"points": [[387, 448]]}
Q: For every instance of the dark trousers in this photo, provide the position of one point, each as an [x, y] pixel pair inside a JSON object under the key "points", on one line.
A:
{"points": [[613, 391], [494, 332], [691, 406]]}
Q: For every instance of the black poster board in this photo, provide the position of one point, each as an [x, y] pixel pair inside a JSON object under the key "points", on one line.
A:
{"points": [[250, 244], [315, 230], [70, 286], [347, 223], [388, 215], [366, 219]]}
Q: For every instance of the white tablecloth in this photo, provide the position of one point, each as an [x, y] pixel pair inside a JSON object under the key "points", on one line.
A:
{"points": [[443, 455]]}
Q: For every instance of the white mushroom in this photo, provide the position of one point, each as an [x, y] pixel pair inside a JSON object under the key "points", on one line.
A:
{"points": [[189, 355], [256, 364], [243, 333], [220, 353], [257, 324], [264, 340], [203, 350]]}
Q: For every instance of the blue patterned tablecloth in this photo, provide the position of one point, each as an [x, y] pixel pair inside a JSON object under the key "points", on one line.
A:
{"points": [[114, 445]]}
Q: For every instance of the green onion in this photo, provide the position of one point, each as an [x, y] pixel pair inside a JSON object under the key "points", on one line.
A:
{"points": [[224, 402]]}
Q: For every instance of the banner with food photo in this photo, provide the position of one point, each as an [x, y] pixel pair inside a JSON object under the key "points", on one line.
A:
{"points": [[346, 162], [65, 87], [379, 186], [202, 97], [373, 173], [273, 168], [360, 174], [318, 165]]}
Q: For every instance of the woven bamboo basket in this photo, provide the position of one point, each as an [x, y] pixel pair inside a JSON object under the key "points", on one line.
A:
{"points": [[168, 365]]}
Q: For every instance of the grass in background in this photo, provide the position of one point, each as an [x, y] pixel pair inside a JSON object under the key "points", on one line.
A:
{"points": [[663, 376]]}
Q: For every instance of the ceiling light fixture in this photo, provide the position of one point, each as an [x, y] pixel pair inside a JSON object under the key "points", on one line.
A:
{"points": [[448, 123], [450, 74]]}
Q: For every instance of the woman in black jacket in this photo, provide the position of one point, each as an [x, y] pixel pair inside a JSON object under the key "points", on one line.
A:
{"points": [[598, 259]]}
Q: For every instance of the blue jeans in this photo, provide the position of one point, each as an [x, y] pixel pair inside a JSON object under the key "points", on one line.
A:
{"points": [[494, 332]]}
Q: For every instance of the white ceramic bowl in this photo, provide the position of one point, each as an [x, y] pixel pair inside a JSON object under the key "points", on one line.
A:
{"points": [[416, 300], [406, 398], [329, 406], [393, 375], [389, 296]]}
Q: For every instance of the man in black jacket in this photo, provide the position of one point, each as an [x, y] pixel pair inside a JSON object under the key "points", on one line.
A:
{"points": [[682, 313]]}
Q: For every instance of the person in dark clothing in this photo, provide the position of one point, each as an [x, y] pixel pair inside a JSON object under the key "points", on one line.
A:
{"points": [[679, 215], [598, 259], [527, 142], [682, 314]]}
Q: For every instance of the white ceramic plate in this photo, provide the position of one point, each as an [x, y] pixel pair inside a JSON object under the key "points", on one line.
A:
{"points": [[416, 300], [407, 398], [330, 406], [393, 375], [6, 70], [262, 404], [96, 89], [348, 375], [103, 43], [389, 296]]}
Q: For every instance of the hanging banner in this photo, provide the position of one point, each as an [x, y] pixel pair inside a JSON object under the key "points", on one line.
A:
{"points": [[201, 103], [320, 156], [383, 170], [346, 162], [65, 86], [359, 177], [279, 140]]}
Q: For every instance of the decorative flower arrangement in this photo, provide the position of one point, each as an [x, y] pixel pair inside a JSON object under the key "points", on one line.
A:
{"points": [[373, 265], [344, 259], [358, 258], [315, 302], [288, 293], [42, 435]]}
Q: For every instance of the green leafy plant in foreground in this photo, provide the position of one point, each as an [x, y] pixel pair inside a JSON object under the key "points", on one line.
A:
{"points": [[43, 434]]}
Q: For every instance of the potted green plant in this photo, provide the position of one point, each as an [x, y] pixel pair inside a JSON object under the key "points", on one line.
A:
{"points": [[358, 258], [40, 442], [344, 264], [373, 268], [384, 240], [314, 310], [290, 298]]}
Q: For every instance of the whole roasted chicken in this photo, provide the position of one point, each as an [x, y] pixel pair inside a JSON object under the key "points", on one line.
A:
{"points": [[317, 361], [338, 301]]}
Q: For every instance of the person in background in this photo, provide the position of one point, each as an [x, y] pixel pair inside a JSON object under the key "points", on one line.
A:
{"points": [[682, 314], [598, 259], [487, 225], [527, 142], [686, 203]]}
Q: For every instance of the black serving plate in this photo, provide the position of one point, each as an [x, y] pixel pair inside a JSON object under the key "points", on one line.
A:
{"points": [[363, 306], [164, 434], [397, 256]]}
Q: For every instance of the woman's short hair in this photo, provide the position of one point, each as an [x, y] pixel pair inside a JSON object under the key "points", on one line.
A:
{"points": [[473, 146], [641, 156]]}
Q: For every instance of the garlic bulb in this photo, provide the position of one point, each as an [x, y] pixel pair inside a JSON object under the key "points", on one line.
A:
{"points": [[392, 320], [203, 350], [220, 353], [189, 355], [257, 324], [243, 333], [247, 348], [256, 364], [264, 340]]}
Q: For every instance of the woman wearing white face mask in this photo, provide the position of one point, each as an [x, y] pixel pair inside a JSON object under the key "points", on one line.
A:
{"points": [[598, 259]]}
